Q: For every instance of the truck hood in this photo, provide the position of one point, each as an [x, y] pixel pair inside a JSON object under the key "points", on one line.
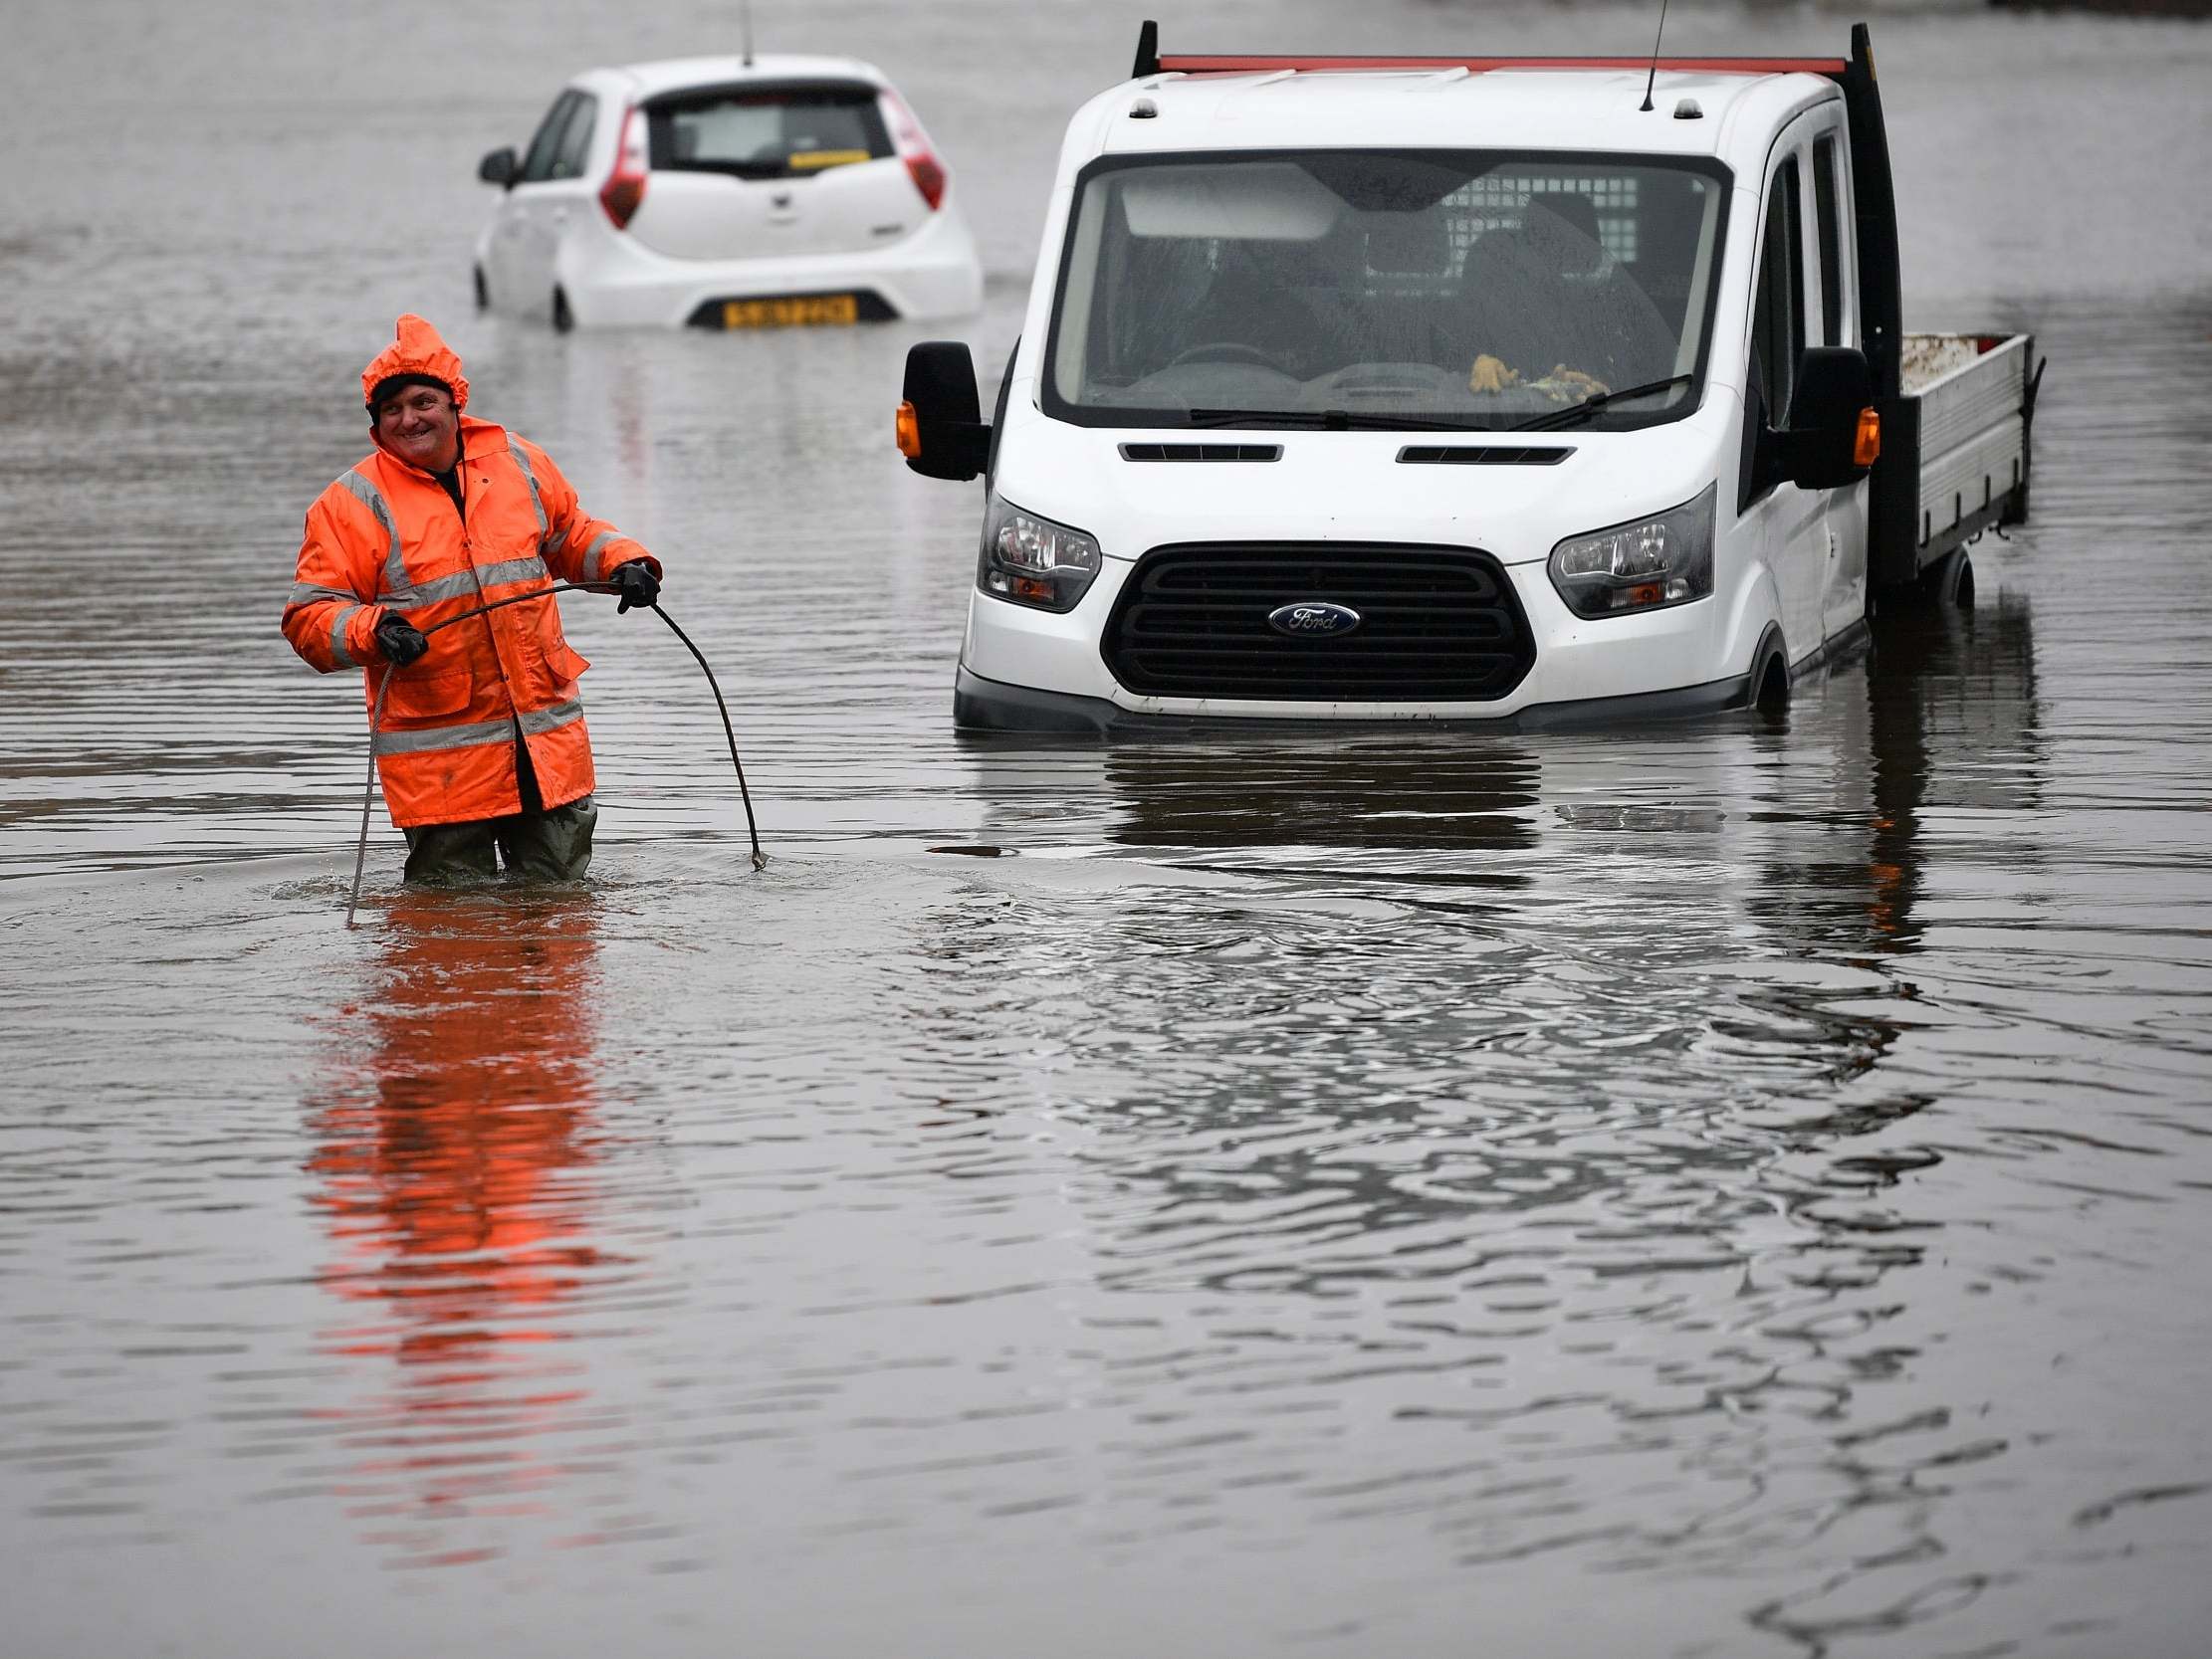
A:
{"points": [[1353, 486]]}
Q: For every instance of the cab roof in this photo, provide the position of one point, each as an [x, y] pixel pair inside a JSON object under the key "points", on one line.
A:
{"points": [[1595, 105]]}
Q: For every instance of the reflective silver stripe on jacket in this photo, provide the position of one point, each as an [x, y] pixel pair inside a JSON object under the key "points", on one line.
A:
{"points": [[593, 554], [515, 448], [462, 584], [477, 733], [543, 720], [344, 657], [473, 735], [307, 594], [395, 568]]}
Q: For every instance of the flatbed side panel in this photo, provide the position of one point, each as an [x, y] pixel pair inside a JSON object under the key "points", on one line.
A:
{"points": [[1977, 477], [1970, 398], [1959, 432]]}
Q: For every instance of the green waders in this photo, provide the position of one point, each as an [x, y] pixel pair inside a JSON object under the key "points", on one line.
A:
{"points": [[538, 843]]}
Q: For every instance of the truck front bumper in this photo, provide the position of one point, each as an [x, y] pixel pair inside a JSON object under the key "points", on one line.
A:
{"points": [[1028, 670], [993, 706]]}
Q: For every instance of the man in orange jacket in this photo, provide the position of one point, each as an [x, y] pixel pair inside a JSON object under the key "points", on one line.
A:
{"points": [[482, 744]]}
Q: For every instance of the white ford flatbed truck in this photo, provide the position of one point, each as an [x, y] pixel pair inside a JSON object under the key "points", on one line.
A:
{"points": [[1516, 391]]}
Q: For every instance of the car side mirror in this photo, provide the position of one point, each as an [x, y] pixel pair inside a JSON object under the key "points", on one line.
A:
{"points": [[941, 429], [1834, 434], [499, 167]]}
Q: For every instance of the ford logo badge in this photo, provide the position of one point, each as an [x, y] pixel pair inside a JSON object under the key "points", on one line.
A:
{"points": [[1313, 619]]}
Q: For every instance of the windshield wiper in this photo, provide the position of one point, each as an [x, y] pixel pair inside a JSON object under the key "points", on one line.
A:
{"points": [[1591, 405], [1326, 420]]}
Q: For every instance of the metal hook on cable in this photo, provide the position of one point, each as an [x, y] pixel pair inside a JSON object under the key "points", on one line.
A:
{"points": [[377, 720]]}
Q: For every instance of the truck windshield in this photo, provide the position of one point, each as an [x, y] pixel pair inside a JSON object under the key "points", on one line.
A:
{"points": [[1481, 289]]}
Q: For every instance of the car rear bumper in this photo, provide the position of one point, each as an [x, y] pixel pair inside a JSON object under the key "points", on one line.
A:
{"points": [[934, 273]]}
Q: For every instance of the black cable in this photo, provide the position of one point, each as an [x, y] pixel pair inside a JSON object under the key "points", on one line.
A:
{"points": [[376, 717], [760, 859]]}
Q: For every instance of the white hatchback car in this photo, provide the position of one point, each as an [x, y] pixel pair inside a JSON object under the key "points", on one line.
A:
{"points": [[726, 194]]}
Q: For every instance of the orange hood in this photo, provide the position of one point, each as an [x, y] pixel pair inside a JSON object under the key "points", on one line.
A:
{"points": [[417, 349]]}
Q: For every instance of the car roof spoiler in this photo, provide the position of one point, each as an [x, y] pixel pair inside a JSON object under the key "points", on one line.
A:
{"points": [[1150, 62]]}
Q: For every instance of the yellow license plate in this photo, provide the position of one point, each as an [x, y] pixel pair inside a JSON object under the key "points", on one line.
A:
{"points": [[810, 310]]}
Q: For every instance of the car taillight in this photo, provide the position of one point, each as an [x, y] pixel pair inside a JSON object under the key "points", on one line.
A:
{"points": [[624, 189], [913, 144]]}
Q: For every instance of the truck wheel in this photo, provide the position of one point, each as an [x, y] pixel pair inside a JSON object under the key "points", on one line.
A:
{"points": [[564, 318], [1770, 677], [1773, 695], [1950, 580]]}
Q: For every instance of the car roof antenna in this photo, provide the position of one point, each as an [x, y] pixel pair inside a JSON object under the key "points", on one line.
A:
{"points": [[745, 12], [1653, 76]]}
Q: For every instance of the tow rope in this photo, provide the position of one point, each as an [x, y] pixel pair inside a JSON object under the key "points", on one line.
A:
{"points": [[377, 720]]}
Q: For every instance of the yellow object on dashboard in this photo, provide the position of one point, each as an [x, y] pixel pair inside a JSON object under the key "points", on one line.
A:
{"points": [[806, 159]]}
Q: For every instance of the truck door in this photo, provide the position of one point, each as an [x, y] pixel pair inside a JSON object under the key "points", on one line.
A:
{"points": [[1835, 268], [1788, 525]]}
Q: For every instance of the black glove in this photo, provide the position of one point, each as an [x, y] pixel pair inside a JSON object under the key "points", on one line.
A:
{"points": [[401, 641], [636, 584]]}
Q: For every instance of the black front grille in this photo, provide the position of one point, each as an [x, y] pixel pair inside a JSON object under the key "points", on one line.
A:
{"points": [[1437, 624]]}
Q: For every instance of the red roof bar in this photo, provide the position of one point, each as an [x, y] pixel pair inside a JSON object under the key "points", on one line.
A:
{"points": [[1235, 63]]}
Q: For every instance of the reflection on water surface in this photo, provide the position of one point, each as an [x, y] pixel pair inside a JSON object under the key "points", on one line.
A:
{"points": [[456, 1177]]}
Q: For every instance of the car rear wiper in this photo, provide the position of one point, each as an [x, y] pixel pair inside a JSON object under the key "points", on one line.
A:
{"points": [[1327, 420], [1591, 405]]}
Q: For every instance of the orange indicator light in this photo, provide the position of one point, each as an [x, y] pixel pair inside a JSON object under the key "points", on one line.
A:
{"points": [[910, 431], [1866, 448]]}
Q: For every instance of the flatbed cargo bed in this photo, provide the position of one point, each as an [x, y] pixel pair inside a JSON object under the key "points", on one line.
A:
{"points": [[1955, 448]]}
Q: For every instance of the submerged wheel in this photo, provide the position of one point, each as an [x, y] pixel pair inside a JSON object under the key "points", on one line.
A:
{"points": [[1773, 694], [1769, 682], [564, 318], [1950, 580]]}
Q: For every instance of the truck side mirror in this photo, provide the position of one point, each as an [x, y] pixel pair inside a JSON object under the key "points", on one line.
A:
{"points": [[1834, 434], [499, 167], [942, 432]]}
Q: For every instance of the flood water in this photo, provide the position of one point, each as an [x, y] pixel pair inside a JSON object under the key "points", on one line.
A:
{"points": [[1727, 1189]]}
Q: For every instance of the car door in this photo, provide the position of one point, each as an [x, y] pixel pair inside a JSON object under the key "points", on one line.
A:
{"points": [[1834, 267], [507, 265], [1787, 523], [566, 195]]}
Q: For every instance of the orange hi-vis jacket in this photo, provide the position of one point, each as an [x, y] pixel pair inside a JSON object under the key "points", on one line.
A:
{"points": [[385, 538]]}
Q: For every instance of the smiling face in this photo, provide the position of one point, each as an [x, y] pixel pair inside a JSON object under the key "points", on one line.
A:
{"points": [[420, 426]]}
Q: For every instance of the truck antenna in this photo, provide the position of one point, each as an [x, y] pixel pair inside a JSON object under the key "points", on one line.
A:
{"points": [[1656, 39], [745, 13]]}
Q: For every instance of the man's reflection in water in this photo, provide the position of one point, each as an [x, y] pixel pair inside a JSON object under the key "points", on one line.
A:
{"points": [[456, 1184]]}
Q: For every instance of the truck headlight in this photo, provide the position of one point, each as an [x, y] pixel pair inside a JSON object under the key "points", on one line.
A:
{"points": [[1032, 561], [1643, 566]]}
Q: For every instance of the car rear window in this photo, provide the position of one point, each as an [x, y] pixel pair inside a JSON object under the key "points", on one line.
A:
{"points": [[765, 131]]}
